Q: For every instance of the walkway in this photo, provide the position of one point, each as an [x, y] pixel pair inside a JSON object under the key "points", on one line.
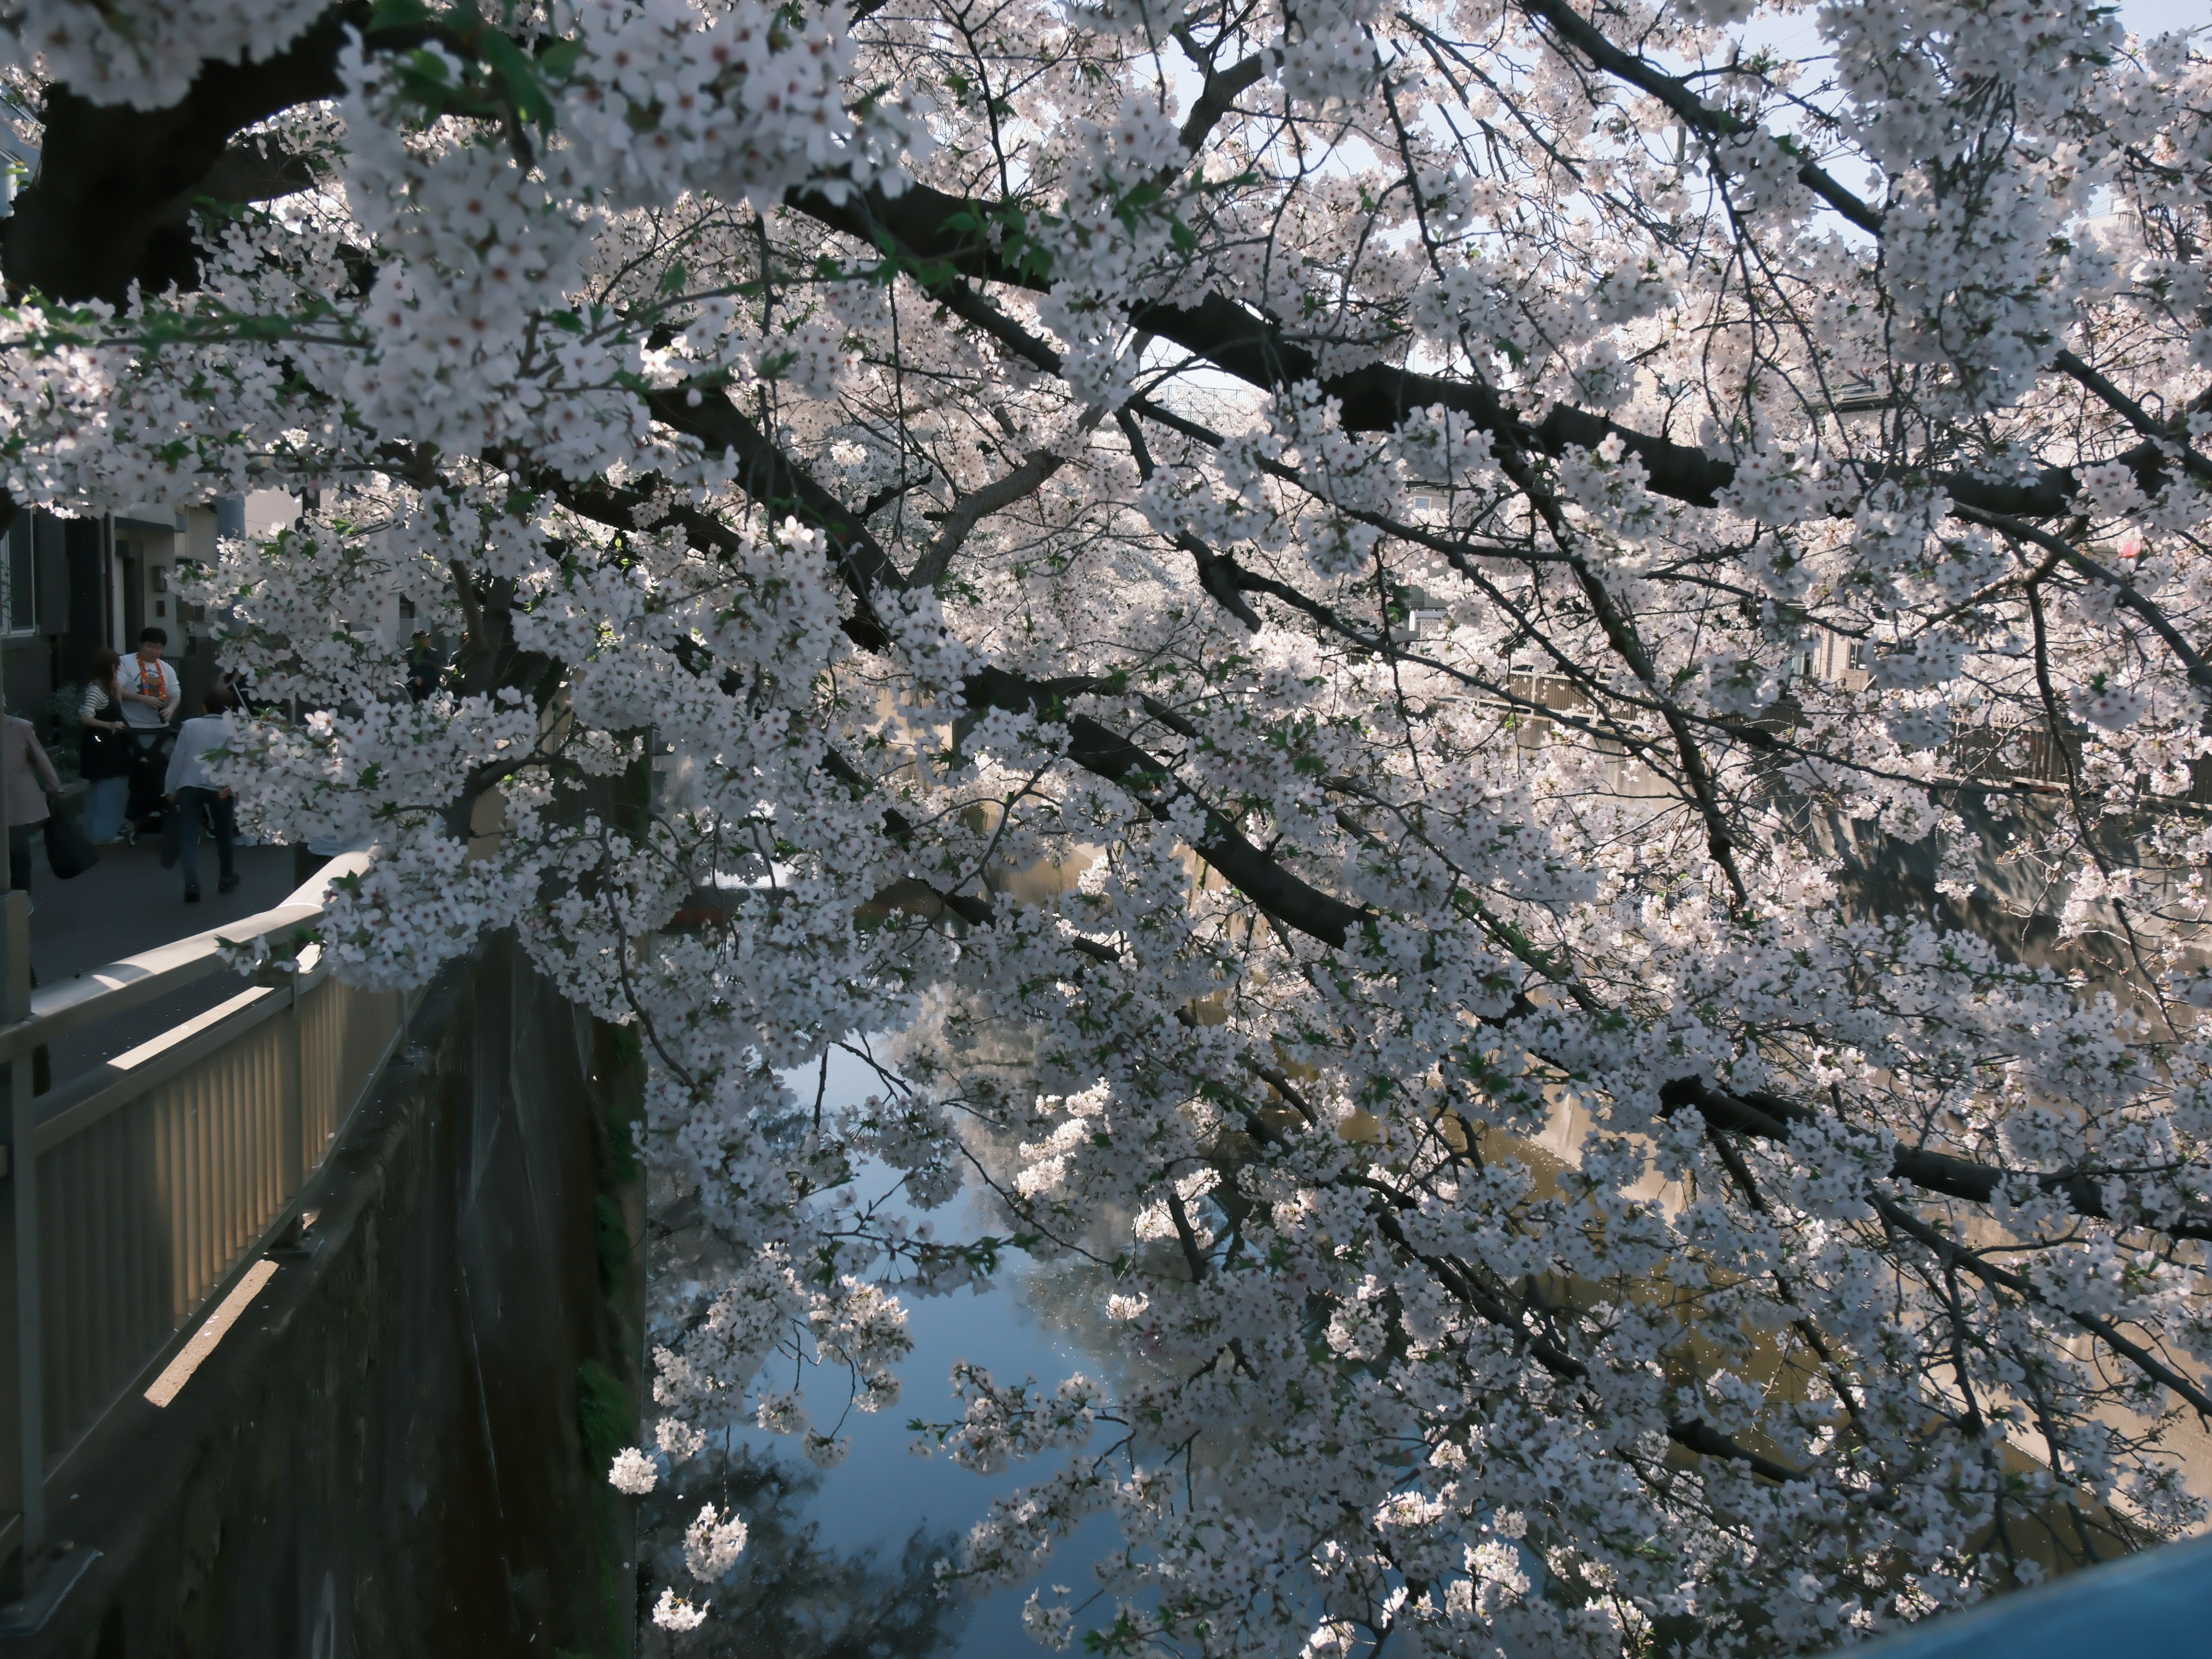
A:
{"points": [[129, 903]]}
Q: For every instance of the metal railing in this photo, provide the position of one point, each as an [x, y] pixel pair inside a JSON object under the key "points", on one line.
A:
{"points": [[2157, 1605], [135, 1194]]}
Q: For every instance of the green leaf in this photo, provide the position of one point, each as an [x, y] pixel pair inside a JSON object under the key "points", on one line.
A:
{"points": [[398, 14], [558, 61], [520, 75]]}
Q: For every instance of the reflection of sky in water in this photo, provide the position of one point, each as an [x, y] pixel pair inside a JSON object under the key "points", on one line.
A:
{"points": [[882, 1494]]}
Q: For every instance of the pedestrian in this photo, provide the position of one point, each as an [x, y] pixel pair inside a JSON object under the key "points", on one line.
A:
{"points": [[150, 696], [103, 752], [195, 794], [31, 780], [426, 666]]}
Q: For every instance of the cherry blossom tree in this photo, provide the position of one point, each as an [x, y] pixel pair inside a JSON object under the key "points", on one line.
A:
{"points": [[1504, 699]]}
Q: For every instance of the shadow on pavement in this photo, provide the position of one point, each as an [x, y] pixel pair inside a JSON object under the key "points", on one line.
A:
{"points": [[127, 904]]}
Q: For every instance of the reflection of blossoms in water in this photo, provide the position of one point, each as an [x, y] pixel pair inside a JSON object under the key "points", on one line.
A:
{"points": [[738, 1535]]}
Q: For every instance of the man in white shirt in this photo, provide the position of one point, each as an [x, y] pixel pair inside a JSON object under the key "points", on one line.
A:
{"points": [[148, 685], [150, 695], [197, 794]]}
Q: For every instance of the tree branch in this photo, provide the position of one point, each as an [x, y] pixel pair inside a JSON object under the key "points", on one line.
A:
{"points": [[2131, 411], [1376, 398], [1571, 28], [102, 212], [1765, 1116], [1956, 1256], [972, 508], [2124, 591]]}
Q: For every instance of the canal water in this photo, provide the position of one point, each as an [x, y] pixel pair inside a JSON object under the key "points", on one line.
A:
{"points": [[839, 1564]]}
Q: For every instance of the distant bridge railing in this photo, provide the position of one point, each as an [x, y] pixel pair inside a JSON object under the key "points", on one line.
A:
{"points": [[134, 1196]]}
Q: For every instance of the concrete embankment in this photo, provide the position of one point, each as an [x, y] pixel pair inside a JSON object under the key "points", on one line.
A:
{"points": [[398, 1447]]}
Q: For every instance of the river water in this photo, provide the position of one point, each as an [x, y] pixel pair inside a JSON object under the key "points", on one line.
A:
{"points": [[839, 1562]]}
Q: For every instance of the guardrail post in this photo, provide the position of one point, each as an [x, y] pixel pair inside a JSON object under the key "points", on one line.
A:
{"points": [[30, 1424], [292, 1136]]}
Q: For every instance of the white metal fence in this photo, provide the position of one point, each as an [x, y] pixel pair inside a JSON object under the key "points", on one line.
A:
{"points": [[135, 1194]]}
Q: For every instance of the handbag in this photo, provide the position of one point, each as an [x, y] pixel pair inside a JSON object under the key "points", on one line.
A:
{"points": [[69, 854], [105, 754]]}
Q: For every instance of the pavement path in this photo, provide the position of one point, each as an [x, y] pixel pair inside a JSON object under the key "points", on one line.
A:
{"points": [[129, 903]]}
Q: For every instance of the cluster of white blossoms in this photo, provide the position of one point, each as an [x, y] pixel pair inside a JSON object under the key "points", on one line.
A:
{"points": [[1493, 715], [145, 53], [740, 101]]}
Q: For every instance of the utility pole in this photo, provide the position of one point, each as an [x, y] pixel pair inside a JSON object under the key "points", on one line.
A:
{"points": [[33, 1581], [29, 1426]]}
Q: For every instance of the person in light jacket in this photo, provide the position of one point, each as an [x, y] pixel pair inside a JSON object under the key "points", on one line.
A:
{"points": [[31, 778], [197, 794]]}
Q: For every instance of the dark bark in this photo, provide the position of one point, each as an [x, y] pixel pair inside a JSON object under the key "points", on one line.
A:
{"points": [[1769, 1117], [1291, 900], [108, 206], [912, 226], [782, 487]]}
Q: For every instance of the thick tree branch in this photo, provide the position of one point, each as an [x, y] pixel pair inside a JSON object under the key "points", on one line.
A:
{"points": [[782, 488], [2125, 592], [102, 212], [1577, 31], [1219, 95], [2175, 437], [971, 509], [1289, 899], [1764, 1116], [1219, 576], [101, 215], [1698, 1436], [1376, 398], [777, 483]]}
